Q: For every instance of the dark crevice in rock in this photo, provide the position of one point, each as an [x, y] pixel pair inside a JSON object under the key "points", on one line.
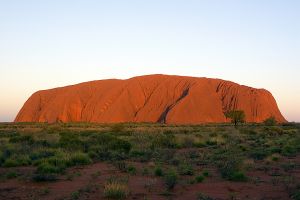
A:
{"points": [[163, 116]]}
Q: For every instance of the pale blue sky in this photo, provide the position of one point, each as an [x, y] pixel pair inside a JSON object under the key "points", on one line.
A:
{"points": [[45, 44]]}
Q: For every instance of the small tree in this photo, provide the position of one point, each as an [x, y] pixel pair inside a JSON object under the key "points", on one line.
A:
{"points": [[271, 121], [236, 116]]}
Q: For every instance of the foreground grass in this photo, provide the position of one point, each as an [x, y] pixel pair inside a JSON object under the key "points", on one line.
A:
{"points": [[176, 151]]}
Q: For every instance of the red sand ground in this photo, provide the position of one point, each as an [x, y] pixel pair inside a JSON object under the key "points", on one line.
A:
{"points": [[143, 187], [153, 98]]}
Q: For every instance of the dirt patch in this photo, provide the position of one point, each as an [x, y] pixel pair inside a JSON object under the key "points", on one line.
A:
{"points": [[88, 182]]}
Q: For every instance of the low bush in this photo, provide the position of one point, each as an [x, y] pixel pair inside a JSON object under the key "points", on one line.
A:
{"points": [[271, 121], [59, 161], [201, 196], [158, 171], [141, 155], [44, 177], [211, 143], [21, 160], [229, 165], [145, 171], [289, 150], [238, 176], [119, 145], [199, 179], [47, 168], [75, 195], [275, 158], [259, 153], [121, 165], [2, 158], [11, 163], [131, 170], [187, 142], [11, 174], [71, 141], [163, 141], [288, 166], [171, 178], [186, 169], [206, 173], [79, 159], [199, 144], [115, 188], [21, 138], [42, 153], [110, 142], [296, 195]]}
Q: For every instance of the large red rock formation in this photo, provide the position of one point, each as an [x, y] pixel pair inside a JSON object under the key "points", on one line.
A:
{"points": [[153, 98]]}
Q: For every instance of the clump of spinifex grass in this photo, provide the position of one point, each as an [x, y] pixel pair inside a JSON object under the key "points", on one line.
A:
{"points": [[116, 188]]}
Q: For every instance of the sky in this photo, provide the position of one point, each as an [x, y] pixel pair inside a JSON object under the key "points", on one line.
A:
{"points": [[46, 44]]}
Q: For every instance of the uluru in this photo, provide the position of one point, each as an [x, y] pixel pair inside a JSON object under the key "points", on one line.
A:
{"points": [[152, 98]]}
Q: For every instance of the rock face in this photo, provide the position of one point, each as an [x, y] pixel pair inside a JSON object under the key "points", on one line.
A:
{"points": [[152, 98]]}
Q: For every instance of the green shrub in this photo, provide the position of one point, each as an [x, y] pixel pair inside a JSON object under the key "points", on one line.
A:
{"points": [[206, 173], [11, 163], [131, 170], [145, 171], [274, 131], [275, 149], [79, 159], [71, 141], [2, 158], [187, 141], [119, 145], [42, 153], [21, 160], [61, 161], [289, 150], [175, 161], [275, 158], [75, 195], [236, 116], [211, 143], [44, 177], [158, 171], [296, 195], [100, 153], [121, 165], [141, 155], [199, 144], [118, 128], [201, 196], [248, 131], [163, 155], [115, 190], [112, 143], [163, 141], [22, 138], [271, 121], [11, 175], [288, 166], [259, 153], [46, 168], [199, 179], [92, 154], [228, 165], [171, 179], [186, 169], [238, 177]]}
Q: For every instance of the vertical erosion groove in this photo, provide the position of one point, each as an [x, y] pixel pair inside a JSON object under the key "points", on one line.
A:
{"points": [[163, 116]]}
